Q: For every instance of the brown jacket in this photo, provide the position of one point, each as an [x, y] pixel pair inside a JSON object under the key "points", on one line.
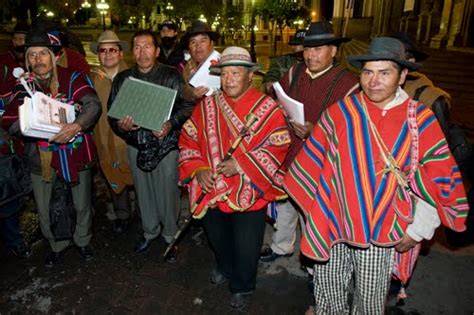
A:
{"points": [[112, 149]]}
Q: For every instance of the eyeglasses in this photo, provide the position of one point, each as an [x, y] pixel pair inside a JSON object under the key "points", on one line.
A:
{"points": [[41, 53], [110, 50]]}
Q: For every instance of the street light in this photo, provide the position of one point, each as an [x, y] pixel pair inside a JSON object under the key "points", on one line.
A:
{"points": [[169, 8], [202, 18], [86, 5], [102, 6]]}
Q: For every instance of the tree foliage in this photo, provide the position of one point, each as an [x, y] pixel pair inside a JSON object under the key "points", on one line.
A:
{"points": [[278, 14]]}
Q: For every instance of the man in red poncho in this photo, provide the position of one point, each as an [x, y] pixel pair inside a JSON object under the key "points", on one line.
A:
{"points": [[238, 189]]}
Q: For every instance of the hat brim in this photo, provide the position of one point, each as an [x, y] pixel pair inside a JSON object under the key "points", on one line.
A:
{"points": [[296, 42], [94, 46], [214, 36], [308, 42], [357, 61], [252, 66]]}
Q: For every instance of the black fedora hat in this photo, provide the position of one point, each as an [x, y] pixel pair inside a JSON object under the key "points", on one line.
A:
{"points": [[410, 45], [384, 48], [298, 38], [40, 39], [21, 28], [320, 34], [200, 27]]}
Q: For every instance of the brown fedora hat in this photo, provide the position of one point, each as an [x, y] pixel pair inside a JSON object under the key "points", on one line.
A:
{"points": [[109, 37], [320, 34], [200, 27]]}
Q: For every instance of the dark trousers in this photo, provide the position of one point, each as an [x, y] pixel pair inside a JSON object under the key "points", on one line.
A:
{"points": [[10, 226], [236, 239]]}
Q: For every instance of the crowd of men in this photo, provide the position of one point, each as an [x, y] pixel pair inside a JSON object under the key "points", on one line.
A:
{"points": [[368, 173]]}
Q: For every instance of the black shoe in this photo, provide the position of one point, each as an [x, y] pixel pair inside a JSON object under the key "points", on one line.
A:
{"points": [[142, 245], [239, 300], [216, 277], [21, 250], [86, 252], [268, 255], [53, 259], [120, 225], [172, 256]]}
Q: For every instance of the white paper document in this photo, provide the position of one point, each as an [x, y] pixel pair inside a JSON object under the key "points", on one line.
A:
{"points": [[293, 108], [42, 116], [203, 76]]}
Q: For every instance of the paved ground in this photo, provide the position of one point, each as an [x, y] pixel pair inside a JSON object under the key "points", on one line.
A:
{"points": [[118, 281]]}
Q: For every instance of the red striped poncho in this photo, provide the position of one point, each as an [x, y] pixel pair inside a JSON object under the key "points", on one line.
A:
{"points": [[338, 179], [209, 133]]}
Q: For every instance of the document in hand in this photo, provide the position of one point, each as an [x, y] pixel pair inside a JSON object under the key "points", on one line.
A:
{"points": [[203, 76], [293, 108], [147, 103], [42, 116]]}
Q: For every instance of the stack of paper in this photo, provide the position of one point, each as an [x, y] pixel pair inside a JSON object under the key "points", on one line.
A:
{"points": [[42, 116], [203, 76], [293, 108]]}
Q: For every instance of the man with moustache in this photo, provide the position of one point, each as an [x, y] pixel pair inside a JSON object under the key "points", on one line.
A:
{"points": [[153, 154], [69, 154], [112, 149]]}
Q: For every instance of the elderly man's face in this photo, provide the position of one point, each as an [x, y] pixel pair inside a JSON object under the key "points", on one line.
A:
{"points": [[110, 55], [200, 47], [40, 61], [380, 81], [235, 80], [319, 58], [145, 52]]}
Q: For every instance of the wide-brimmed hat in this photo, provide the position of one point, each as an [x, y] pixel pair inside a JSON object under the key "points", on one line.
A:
{"points": [[109, 37], [235, 56], [320, 34], [200, 27], [169, 24], [298, 38], [41, 39], [410, 45], [384, 48]]}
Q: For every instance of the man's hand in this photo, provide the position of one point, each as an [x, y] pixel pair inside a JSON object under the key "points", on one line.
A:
{"points": [[301, 131], [67, 133], [406, 243], [228, 168], [200, 91], [164, 131], [127, 124], [205, 180]]}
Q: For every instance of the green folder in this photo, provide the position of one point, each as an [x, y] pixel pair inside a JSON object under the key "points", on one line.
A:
{"points": [[149, 104]]}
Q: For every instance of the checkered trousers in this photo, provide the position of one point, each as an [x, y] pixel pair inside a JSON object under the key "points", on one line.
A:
{"points": [[370, 269]]}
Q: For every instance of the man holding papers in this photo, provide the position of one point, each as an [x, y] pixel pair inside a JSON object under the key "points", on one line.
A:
{"points": [[200, 42], [67, 155], [317, 83], [153, 154]]}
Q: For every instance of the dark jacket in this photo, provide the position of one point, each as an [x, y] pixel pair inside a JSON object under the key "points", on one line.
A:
{"points": [[152, 150]]}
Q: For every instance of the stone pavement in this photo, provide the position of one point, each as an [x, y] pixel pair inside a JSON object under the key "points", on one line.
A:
{"points": [[118, 281]]}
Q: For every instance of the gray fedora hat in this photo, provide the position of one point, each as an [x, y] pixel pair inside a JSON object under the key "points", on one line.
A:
{"points": [[384, 48]]}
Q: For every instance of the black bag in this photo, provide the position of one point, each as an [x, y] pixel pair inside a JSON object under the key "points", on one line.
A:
{"points": [[62, 213], [460, 147], [14, 178]]}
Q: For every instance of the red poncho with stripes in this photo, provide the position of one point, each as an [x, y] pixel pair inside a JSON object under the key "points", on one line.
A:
{"points": [[209, 133], [338, 177]]}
